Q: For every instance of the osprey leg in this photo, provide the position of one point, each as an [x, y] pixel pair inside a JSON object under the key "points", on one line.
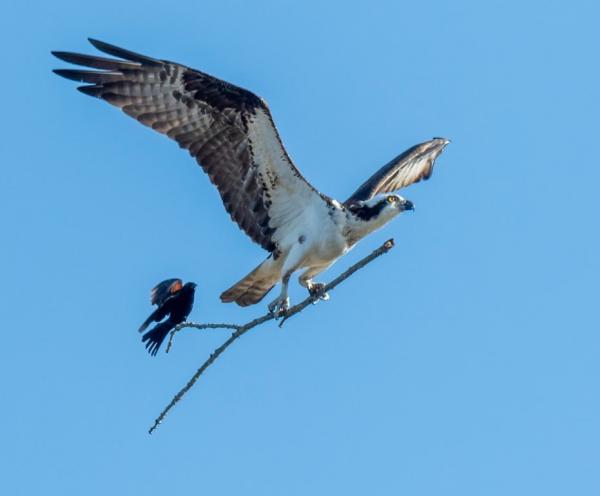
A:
{"points": [[314, 288], [282, 303], [293, 262]]}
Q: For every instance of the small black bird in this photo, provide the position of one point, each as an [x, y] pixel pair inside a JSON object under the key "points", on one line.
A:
{"points": [[173, 298]]}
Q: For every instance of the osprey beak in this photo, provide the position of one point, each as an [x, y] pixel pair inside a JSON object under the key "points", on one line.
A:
{"points": [[407, 205], [442, 141]]}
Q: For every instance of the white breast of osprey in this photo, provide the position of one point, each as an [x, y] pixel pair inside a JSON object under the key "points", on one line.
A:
{"points": [[301, 217], [310, 230]]}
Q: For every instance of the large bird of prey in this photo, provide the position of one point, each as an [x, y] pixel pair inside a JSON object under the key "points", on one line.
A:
{"points": [[231, 134]]}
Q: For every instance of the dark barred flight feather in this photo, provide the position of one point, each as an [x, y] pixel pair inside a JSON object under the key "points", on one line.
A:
{"points": [[409, 167], [205, 115]]}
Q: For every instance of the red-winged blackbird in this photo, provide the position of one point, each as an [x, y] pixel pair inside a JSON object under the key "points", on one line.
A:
{"points": [[174, 299]]}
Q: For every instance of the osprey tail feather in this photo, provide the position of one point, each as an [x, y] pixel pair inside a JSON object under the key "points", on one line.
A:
{"points": [[253, 288]]}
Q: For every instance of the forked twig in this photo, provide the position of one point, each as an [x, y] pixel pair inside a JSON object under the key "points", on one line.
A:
{"points": [[240, 330]]}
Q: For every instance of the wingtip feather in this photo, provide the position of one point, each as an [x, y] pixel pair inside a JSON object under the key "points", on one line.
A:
{"points": [[100, 45], [68, 74], [116, 51], [89, 90], [62, 55]]}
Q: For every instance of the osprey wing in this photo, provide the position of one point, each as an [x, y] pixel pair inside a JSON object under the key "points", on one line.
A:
{"points": [[410, 167], [227, 129]]}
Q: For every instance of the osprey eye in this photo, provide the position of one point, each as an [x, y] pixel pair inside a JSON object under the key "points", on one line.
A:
{"points": [[391, 199]]}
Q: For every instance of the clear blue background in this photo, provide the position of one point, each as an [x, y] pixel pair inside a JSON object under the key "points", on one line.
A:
{"points": [[464, 362]]}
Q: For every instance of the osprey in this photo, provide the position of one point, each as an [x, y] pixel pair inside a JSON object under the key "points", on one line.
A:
{"points": [[231, 134]]}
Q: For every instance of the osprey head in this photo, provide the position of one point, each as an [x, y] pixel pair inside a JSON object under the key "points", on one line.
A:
{"points": [[381, 208], [397, 202], [374, 213]]}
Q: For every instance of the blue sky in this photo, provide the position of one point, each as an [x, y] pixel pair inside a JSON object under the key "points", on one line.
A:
{"points": [[464, 362]]}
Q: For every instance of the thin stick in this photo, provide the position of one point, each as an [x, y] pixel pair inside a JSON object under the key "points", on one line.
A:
{"points": [[240, 330], [183, 325]]}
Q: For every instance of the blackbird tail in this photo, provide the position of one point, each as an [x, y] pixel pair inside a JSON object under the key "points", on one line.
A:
{"points": [[155, 336]]}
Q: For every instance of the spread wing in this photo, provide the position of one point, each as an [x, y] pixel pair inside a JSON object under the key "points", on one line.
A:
{"points": [[164, 290], [159, 295], [227, 129], [410, 167]]}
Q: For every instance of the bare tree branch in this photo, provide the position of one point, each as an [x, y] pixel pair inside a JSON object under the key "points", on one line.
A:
{"points": [[198, 326], [240, 330]]}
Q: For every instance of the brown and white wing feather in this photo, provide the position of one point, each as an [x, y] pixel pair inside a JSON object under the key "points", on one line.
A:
{"points": [[409, 167], [227, 129]]}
